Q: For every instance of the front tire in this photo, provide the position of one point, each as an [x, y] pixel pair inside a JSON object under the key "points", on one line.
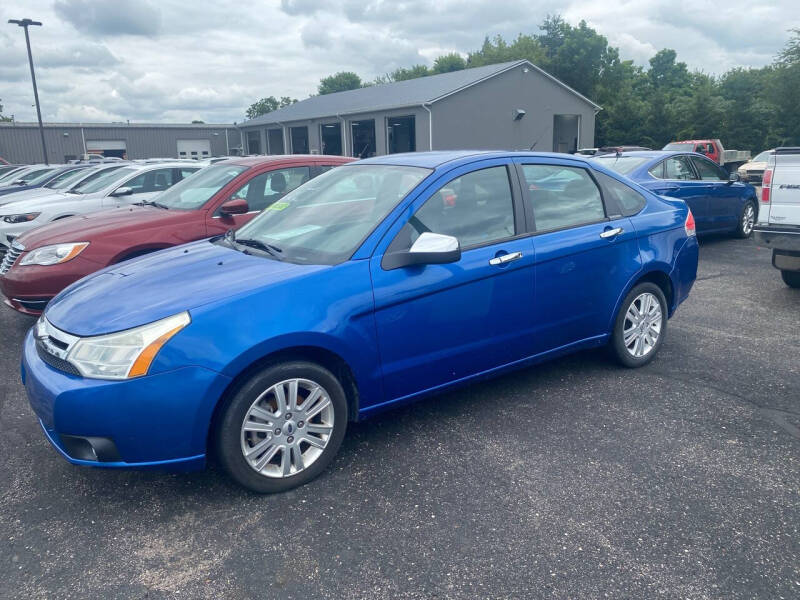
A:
{"points": [[283, 427], [640, 326], [747, 219], [791, 278]]}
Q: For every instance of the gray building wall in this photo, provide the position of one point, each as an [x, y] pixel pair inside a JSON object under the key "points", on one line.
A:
{"points": [[481, 117], [21, 143]]}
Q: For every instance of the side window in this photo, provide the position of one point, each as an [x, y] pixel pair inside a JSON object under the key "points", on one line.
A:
{"points": [[477, 208], [708, 170], [627, 200], [562, 196], [267, 188], [657, 171], [678, 167]]}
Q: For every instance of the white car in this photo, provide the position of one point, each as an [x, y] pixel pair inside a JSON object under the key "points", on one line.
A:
{"points": [[61, 183], [127, 185]]}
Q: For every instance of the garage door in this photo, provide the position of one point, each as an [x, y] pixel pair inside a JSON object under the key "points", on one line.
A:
{"points": [[195, 149], [106, 147]]}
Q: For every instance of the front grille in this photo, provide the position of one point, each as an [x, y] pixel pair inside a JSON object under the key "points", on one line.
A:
{"points": [[54, 361], [10, 257]]}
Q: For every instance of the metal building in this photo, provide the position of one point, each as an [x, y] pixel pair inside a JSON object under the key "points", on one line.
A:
{"points": [[514, 106], [21, 143]]}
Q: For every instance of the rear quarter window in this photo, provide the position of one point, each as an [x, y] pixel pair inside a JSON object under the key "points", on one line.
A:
{"points": [[620, 198]]}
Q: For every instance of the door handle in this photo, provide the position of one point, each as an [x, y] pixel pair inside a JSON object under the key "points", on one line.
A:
{"points": [[610, 233], [506, 258]]}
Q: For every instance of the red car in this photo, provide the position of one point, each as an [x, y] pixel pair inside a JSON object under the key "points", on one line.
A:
{"points": [[220, 197]]}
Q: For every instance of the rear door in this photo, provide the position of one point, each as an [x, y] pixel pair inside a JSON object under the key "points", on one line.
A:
{"points": [[586, 251], [785, 189], [675, 176]]}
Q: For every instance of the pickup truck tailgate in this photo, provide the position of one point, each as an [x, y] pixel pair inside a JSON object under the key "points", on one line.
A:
{"points": [[785, 192]]}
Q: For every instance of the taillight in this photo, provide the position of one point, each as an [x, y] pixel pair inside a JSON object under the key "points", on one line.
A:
{"points": [[766, 185], [689, 224]]}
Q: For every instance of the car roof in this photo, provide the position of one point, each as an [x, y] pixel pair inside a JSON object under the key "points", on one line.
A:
{"points": [[437, 158], [648, 153], [300, 159]]}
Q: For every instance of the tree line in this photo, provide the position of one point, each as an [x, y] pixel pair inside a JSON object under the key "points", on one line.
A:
{"points": [[747, 108]]}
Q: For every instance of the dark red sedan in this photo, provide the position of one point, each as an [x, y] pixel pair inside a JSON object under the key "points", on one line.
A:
{"points": [[220, 197]]}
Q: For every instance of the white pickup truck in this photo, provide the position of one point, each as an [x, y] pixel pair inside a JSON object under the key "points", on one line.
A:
{"points": [[778, 224]]}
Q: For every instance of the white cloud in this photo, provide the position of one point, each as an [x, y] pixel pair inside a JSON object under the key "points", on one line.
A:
{"points": [[167, 60]]}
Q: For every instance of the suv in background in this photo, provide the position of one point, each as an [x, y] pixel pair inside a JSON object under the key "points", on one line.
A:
{"points": [[778, 224]]}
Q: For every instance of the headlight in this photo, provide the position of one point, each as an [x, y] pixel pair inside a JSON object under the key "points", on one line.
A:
{"points": [[125, 354], [24, 218], [53, 255]]}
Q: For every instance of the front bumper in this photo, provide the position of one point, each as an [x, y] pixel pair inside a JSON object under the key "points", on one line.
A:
{"points": [[28, 289], [158, 421]]}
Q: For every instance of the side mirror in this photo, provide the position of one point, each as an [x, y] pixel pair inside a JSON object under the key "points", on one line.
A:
{"points": [[733, 177], [122, 191], [429, 249], [19, 182], [235, 206]]}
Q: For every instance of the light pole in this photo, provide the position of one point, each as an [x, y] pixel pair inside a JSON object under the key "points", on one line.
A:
{"points": [[25, 23]]}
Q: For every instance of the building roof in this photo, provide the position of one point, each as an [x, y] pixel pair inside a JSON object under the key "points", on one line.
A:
{"points": [[120, 124], [399, 94]]}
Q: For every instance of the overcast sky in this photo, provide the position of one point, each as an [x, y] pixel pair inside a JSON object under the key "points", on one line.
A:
{"points": [[174, 61]]}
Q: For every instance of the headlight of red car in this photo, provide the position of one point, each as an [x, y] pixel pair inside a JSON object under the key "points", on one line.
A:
{"points": [[53, 255]]}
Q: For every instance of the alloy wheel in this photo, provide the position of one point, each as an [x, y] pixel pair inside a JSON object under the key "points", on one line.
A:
{"points": [[748, 219], [287, 428], [642, 326]]}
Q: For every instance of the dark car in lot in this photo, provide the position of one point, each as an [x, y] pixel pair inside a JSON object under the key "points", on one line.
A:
{"points": [[378, 283], [720, 203], [44, 261]]}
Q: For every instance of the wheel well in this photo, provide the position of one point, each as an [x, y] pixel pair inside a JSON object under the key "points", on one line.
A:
{"points": [[63, 217], [663, 281], [325, 358]]}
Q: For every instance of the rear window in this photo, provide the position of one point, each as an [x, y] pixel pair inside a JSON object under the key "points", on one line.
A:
{"points": [[621, 164], [681, 146]]}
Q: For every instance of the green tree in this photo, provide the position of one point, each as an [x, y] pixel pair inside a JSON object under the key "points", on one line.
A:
{"points": [[449, 62], [2, 117], [340, 82], [497, 51], [783, 87], [267, 105], [403, 74]]}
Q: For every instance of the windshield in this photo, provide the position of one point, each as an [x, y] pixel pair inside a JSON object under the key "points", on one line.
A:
{"points": [[197, 189], [65, 179], [325, 220], [37, 176], [623, 164], [762, 157], [15, 175], [101, 180], [684, 146]]}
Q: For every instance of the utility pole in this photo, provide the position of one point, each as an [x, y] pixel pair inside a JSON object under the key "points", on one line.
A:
{"points": [[25, 23]]}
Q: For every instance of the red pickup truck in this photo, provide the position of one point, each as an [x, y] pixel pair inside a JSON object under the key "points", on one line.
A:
{"points": [[713, 149]]}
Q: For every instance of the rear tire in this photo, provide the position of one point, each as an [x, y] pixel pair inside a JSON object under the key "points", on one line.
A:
{"points": [[640, 326], [747, 218], [267, 438], [791, 278]]}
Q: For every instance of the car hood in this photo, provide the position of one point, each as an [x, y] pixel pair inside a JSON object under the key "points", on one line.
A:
{"points": [[25, 195], [165, 283], [88, 227], [36, 203]]}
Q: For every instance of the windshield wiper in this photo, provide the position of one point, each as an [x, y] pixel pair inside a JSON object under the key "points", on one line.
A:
{"points": [[153, 203], [268, 248]]}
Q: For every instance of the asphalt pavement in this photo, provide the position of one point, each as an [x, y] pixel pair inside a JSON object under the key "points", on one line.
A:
{"points": [[573, 479]]}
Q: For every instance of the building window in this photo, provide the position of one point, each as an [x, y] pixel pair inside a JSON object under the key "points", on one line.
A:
{"points": [[275, 141], [253, 142], [401, 134], [363, 138], [299, 140], [331, 136]]}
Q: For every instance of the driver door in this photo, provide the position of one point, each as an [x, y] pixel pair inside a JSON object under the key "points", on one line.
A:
{"points": [[440, 323]]}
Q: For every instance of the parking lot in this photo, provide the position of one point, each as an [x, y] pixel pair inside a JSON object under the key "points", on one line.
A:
{"points": [[572, 479]]}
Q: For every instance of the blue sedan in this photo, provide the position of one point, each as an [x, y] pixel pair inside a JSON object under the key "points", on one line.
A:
{"points": [[375, 284], [720, 203]]}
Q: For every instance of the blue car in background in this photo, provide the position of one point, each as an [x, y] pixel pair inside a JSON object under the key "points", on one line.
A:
{"points": [[720, 203], [374, 284]]}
